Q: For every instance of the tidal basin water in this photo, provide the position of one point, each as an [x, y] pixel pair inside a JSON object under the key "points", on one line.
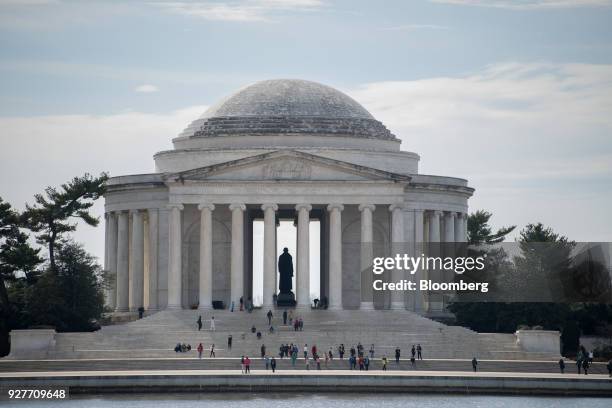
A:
{"points": [[239, 400]]}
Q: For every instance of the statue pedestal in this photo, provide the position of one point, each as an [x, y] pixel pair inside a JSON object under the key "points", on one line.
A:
{"points": [[285, 300]]}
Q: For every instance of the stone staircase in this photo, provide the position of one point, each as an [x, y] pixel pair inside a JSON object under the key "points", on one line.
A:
{"points": [[155, 336]]}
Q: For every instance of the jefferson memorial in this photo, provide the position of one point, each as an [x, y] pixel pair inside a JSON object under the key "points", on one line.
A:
{"points": [[182, 237]]}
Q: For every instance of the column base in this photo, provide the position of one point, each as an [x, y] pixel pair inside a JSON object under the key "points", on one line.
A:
{"points": [[398, 306], [122, 310], [366, 306], [207, 308], [174, 307]]}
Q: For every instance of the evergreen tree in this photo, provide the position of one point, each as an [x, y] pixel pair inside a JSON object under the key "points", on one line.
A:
{"points": [[18, 260], [52, 214]]}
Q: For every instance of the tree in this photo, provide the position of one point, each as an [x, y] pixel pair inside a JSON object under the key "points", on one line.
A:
{"points": [[16, 257], [52, 212], [479, 230], [72, 297]]}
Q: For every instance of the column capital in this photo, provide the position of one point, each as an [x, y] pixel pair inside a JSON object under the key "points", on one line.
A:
{"points": [[203, 206], [335, 206], [394, 207], [266, 206], [178, 206], [135, 211], [237, 206], [370, 207], [450, 214], [460, 214], [306, 207], [436, 213]]}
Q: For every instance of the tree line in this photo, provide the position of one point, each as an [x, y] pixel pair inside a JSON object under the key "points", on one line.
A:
{"points": [[61, 287]]}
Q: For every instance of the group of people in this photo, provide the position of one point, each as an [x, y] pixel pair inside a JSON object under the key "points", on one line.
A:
{"points": [[212, 323], [182, 348]]}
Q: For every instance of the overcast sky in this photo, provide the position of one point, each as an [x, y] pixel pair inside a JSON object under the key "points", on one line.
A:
{"points": [[515, 96]]}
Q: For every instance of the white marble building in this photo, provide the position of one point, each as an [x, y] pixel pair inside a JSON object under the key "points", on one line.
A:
{"points": [[182, 237]]}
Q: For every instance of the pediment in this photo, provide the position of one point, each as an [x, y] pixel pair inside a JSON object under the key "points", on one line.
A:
{"points": [[286, 165]]}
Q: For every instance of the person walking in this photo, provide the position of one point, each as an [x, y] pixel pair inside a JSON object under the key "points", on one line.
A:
{"points": [[413, 351], [366, 363], [242, 368], [318, 360], [241, 303], [269, 315], [314, 350], [212, 350], [384, 363], [305, 350], [341, 351], [229, 342], [397, 354], [585, 366], [294, 355], [474, 364], [199, 322], [419, 352], [285, 317], [273, 364], [263, 350], [267, 361], [247, 365], [372, 351], [412, 361], [562, 366], [307, 363], [290, 317], [212, 323], [331, 354], [200, 350]]}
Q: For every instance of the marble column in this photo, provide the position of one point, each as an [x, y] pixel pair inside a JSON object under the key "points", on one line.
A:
{"points": [[175, 246], [111, 259], [123, 254], [397, 247], [434, 226], [269, 254], [459, 234], [237, 254], [434, 299], [137, 261], [419, 249], [153, 218], [449, 226], [206, 254], [303, 255], [335, 256], [367, 254], [464, 231]]}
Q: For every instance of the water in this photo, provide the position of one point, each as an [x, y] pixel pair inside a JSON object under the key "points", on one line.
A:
{"points": [[239, 400]]}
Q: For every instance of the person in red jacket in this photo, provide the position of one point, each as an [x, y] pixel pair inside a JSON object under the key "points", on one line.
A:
{"points": [[200, 349], [247, 365], [314, 350]]}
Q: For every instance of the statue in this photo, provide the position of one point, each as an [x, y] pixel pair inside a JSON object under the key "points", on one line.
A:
{"points": [[285, 269]]}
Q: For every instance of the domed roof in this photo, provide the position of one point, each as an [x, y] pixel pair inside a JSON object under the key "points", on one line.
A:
{"points": [[288, 106]]}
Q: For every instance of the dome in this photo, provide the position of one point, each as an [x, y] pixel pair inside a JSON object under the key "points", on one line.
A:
{"points": [[287, 107]]}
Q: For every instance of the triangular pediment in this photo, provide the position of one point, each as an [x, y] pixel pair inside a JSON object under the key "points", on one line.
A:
{"points": [[286, 165]]}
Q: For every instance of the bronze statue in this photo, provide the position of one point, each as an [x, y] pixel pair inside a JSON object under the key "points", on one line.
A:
{"points": [[285, 269]]}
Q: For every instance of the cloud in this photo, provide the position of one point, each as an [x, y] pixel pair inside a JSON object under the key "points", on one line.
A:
{"points": [[528, 4], [413, 27], [239, 11], [532, 138], [146, 88], [41, 151]]}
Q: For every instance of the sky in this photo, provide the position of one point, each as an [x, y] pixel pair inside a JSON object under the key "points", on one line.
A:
{"points": [[515, 96]]}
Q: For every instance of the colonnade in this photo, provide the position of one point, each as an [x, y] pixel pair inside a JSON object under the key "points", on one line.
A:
{"points": [[129, 248]]}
